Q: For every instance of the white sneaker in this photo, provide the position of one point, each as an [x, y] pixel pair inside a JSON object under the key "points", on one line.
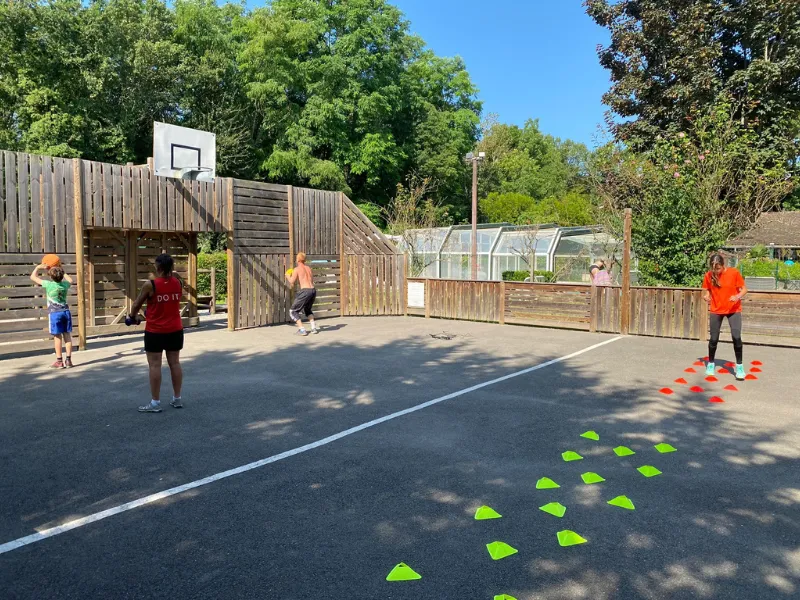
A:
{"points": [[151, 408]]}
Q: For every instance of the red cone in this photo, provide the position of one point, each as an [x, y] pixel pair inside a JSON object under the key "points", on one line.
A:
{"points": [[666, 391], [716, 399], [681, 380], [696, 388], [731, 388]]}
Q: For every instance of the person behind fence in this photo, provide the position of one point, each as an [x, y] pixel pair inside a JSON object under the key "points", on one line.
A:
{"points": [[723, 289], [598, 273], [163, 330], [58, 311], [304, 300]]}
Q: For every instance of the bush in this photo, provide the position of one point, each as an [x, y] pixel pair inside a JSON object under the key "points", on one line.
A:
{"points": [[549, 276], [219, 261], [769, 268]]}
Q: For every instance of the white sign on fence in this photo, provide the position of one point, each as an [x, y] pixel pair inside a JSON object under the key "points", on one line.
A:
{"points": [[416, 294]]}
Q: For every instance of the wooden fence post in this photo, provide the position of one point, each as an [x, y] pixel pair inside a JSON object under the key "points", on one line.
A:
{"points": [[81, 283], [213, 305], [405, 284], [427, 298], [232, 275], [342, 264], [625, 308], [502, 302]]}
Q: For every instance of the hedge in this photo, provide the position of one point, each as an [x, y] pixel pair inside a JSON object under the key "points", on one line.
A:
{"points": [[523, 275], [769, 268], [219, 261]]}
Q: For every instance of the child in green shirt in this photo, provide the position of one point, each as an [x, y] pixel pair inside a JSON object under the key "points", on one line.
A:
{"points": [[58, 310]]}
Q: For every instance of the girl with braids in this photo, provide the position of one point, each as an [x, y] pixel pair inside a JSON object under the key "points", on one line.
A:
{"points": [[723, 289]]}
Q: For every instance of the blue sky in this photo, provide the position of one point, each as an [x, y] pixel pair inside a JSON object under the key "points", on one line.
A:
{"points": [[529, 58]]}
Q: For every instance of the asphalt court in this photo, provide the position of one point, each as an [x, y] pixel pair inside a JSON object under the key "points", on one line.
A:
{"points": [[331, 521]]}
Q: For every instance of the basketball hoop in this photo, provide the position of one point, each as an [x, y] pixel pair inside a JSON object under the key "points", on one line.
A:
{"points": [[196, 173]]}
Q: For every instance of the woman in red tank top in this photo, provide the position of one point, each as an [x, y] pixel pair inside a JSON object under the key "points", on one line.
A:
{"points": [[163, 330]]}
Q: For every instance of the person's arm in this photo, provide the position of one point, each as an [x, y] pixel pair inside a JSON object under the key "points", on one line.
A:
{"points": [[147, 291], [742, 293], [68, 279], [706, 290], [184, 285], [292, 279], [35, 275]]}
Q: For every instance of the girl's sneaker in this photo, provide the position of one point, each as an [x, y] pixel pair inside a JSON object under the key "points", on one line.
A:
{"points": [[710, 369], [176, 403], [68, 363], [59, 364], [151, 408], [740, 372]]}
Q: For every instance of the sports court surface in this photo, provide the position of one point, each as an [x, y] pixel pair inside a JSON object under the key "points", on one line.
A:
{"points": [[330, 518]]}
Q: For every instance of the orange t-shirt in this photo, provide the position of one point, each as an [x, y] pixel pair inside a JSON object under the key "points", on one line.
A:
{"points": [[730, 282]]}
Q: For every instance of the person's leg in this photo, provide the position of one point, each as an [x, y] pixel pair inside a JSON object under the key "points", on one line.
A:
{"points": [[296, 310], [176, 372], [309, 311], [713, 342], [59, 346], [735, 322], [154, 364], [68, 345]]}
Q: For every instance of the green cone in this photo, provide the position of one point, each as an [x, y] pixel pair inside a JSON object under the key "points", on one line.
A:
{"points": [[570, 456], [648, 471], [591, 435], [622, 502], [664, 448], [403, 572], [569, 538], [498, 550], [623, 451], [554, 508], [591, 478], [504, 597], [486, 512], [545, 483]]}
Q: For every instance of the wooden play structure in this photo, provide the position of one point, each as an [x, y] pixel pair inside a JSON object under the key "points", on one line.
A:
{"points": [[108, 222]]}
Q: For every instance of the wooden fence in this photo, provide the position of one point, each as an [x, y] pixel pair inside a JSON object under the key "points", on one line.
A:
{"points": [[681, 313], [108, 222]]}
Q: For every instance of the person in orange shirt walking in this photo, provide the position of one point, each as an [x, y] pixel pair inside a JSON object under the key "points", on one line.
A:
{"points": [[723, 289]]}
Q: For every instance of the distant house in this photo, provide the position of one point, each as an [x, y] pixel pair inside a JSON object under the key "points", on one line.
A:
{"points": [[778, 231]]}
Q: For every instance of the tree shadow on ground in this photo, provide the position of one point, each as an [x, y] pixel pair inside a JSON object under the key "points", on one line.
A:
{"points": [[721, 521]]}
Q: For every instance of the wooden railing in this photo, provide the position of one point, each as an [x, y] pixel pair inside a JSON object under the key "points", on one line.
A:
{"points": [[769, 317]]}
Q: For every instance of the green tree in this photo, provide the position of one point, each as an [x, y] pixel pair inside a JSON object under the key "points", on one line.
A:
{"points": [[671, 61], [351, 101], [688, 194]]}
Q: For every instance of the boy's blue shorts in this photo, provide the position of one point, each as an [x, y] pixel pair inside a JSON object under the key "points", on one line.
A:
{"points": [[60, 322]]}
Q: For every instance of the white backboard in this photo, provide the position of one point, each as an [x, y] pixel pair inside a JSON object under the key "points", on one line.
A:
{"points": [[183, 152]]}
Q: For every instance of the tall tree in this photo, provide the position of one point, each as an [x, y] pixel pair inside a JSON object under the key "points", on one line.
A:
{"points": [[672, 60]]}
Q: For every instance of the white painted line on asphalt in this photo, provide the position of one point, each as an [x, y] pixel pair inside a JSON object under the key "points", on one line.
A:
{"points": [[70, 525]]}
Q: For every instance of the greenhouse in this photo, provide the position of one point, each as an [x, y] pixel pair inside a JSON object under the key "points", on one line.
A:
{"points": [[567, 252]]}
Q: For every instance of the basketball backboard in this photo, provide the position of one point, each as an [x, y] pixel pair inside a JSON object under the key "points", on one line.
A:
{"points": [[184, 153]]}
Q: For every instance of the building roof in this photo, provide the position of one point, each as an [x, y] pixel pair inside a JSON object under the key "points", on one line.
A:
{"points": [[780, 229]]}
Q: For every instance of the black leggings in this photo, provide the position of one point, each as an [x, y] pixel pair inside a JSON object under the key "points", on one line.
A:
{"points": [[735, 321]]}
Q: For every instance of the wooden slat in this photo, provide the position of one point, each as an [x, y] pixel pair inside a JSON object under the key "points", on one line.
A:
{"points": [[127, 187], [37, 241], [22, 194], [116, 196], [12, 215], [3, 221]]}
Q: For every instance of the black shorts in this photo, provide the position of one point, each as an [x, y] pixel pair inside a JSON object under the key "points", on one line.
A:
{"points": [[303, 302], [163, 342]]}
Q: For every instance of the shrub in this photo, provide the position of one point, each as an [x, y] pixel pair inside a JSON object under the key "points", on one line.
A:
{"points": [[219, 261], [549, 276]]}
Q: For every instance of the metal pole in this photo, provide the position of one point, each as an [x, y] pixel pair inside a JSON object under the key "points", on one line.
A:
{"points": [[474, 218]]}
